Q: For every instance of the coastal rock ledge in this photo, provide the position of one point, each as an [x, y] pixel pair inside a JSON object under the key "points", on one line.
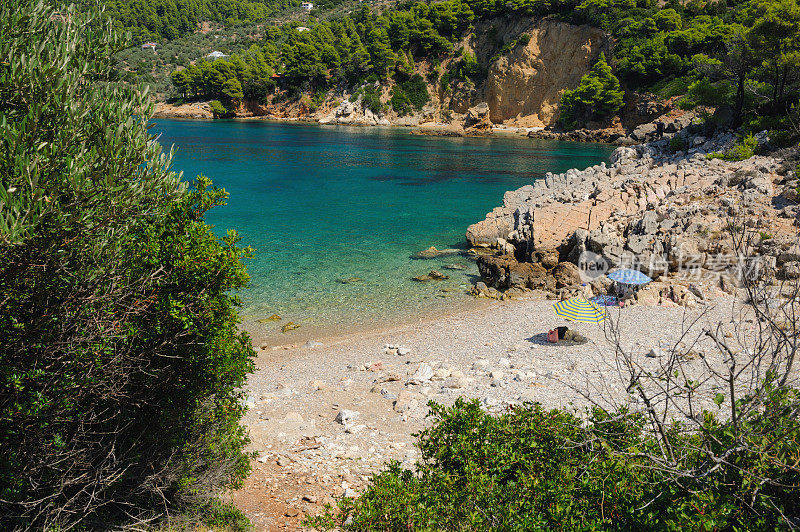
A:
{"points": [[651, 208]]}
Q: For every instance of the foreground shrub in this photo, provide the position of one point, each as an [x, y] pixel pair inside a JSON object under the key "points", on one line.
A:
{"points": [[532, 469], [120, 357]]}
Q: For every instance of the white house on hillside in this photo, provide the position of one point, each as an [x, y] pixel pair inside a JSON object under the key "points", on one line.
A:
{"points": [[147, 45], [213, 56], [308, 6]]}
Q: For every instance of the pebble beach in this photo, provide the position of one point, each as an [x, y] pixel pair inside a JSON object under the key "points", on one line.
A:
{"points": [[325, 415]]}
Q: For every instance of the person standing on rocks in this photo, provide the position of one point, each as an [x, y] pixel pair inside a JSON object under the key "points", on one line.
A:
{"points": [[659, 129]]}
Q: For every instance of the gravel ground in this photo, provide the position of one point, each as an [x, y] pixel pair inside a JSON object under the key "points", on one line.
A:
{"points": [[499, 355]]}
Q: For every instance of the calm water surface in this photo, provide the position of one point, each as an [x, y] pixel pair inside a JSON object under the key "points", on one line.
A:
{"points": [[322, 204]]}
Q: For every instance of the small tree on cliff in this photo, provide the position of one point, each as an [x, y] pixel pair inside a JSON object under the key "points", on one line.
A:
{"points": [[598, 96], [120, 359]]}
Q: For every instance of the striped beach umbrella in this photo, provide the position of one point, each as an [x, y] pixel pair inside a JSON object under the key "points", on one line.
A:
{"points": [[577, 309], [627, 276]]}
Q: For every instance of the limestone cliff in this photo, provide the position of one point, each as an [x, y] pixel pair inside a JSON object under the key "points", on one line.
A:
{"points": [[528, 65], [523, 88]]}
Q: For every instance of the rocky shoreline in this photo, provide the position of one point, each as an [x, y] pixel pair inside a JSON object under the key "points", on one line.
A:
{"points": [[475, 122], [663, 211]]}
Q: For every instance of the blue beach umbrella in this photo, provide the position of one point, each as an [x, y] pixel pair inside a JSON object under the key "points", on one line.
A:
{"points": [[577, 309], [605, 301], [627, 276]]}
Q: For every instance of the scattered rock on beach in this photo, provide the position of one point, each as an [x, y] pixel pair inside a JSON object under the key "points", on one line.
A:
{"points": [[480, 365], [489, 292], [319, 385], [424, 373], [345, 417], [406, 401]]}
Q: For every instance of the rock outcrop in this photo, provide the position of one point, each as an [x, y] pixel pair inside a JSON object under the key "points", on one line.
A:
{"points": [[652, 209], [524, 87], [189, 110], [354, 113], [478, 117]]}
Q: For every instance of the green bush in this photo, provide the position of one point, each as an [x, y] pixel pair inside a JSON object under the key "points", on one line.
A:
{"points": [[532, 469], [598, 96], [522, 40], [744, 149], [354, 97], [121, 362], [677, 144], [400, 101], [220, 111], [372, 99], [416, 90], [673, 87], [466, 68]]}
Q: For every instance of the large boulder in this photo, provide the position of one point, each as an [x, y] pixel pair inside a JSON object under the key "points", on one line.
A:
{"points": [[601, 239], [548, 258], [647, 224], [566, 274], [643, 132], [685, 253], [790, 270], [503, 272], [760, 183], [478, 117], [486, 233]]}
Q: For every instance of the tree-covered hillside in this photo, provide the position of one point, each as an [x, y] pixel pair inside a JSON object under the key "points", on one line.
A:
{"points": [[170, 19], [742, 54]]}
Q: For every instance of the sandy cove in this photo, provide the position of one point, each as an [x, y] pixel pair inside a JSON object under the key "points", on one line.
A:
{"points": [[496, 355]]}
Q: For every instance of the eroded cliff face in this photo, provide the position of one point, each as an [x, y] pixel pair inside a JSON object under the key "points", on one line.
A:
{"points": [[523, 88]]}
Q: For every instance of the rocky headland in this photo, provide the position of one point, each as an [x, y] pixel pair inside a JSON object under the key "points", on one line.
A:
{"points": [[665, 211]]}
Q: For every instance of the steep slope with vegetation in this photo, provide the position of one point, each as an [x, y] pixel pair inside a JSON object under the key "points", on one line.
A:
{"points": [[120, 358], [170, 19], [712, 53]]}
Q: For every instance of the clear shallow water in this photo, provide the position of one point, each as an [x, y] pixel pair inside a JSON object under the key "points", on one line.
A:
{"points": [[321, 204]]}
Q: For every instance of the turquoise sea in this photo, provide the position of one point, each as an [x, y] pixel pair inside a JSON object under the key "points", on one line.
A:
{"points": [[322, 204]]}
